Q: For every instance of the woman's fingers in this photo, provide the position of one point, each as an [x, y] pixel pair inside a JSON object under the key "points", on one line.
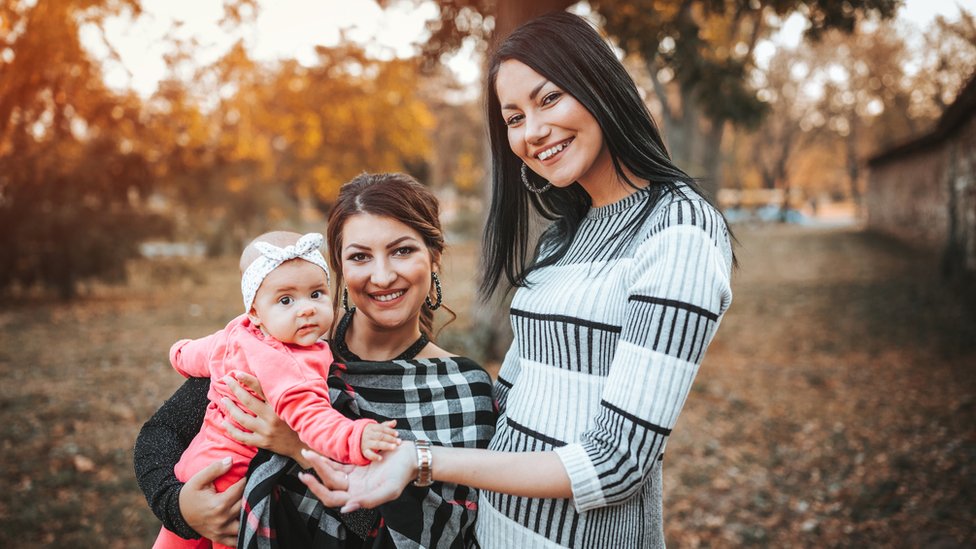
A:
{"points": [[213, 515], [246, 420], [331, 489], [232, 497], [329, 498], [229, 539], [251, 383], [234, 493], [205, 477], [251, 403], [334, 474]]}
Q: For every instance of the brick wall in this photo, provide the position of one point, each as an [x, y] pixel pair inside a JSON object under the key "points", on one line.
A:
{"points": [[961, 179], [924, 192], [908, 198]]}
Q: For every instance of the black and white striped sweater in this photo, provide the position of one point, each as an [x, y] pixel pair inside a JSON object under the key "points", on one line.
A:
{"points": [[607, 344]]}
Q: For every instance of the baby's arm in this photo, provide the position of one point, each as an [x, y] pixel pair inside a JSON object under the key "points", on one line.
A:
{"points": [[294, 382], [379, 437], [191, 357]]}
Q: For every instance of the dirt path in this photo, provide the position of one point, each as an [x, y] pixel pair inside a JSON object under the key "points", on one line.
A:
{"points": [[836, 406]]}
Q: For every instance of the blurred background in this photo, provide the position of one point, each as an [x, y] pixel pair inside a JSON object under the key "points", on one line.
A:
{"points": [[144, 142]]}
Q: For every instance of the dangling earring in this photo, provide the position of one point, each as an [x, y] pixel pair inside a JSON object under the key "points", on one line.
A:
{"points": [[437, 290], [528, 184], [345, 298]]}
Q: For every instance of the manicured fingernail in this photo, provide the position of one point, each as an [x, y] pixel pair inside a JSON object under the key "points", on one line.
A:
{"points": [[225, 461]]}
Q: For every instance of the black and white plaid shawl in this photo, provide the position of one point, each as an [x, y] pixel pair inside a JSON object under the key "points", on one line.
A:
{"points": [[447, 401]]}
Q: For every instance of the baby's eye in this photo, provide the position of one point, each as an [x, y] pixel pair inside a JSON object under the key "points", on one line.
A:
{"points": [[286, 300], [317, 294]]}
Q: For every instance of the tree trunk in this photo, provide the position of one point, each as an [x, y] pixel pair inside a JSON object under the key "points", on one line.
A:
{"points": [[712, 161], [853, 162], [512, 13]]}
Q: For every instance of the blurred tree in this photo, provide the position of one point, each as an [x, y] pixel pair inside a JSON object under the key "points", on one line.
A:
{"points": [[72, 181], [771, 147], [948, 61], [245, 145], [835, 102], [457, 135]]}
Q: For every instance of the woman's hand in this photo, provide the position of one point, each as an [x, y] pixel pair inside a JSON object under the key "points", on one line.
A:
{"points": [[264, 428], [213, 515], [352, 487]]}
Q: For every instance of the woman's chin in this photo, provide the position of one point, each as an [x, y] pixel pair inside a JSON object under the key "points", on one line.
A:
{"points": [[388, 319]]}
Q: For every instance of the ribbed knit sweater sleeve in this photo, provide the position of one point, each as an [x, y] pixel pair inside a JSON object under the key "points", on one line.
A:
{"points": [[678, 286], [160, 445]]}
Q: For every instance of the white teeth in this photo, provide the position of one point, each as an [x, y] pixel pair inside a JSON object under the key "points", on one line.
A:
{"points": [[549, 152], [389, 297]]}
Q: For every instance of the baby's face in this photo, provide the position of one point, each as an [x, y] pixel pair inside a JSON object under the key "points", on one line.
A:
{"points": [[292, 305]]}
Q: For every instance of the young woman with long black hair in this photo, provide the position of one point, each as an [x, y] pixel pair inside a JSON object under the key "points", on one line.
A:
{"points": [[614, 309]]}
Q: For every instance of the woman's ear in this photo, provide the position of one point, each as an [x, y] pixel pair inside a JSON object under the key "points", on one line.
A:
{"points": [[435, 262]]}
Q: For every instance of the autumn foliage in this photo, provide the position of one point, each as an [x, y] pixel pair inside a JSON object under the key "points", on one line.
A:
{"points": [[87, 172]]}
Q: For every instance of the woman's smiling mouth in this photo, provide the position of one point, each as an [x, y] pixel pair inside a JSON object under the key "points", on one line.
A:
{"points": [[383, 298], [554, 150]]}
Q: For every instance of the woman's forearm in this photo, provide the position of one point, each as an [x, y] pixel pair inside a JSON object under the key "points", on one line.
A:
{"points": [[525, 474]]}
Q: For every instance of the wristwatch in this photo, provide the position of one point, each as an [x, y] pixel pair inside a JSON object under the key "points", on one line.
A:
{"points": [[425, 463]]}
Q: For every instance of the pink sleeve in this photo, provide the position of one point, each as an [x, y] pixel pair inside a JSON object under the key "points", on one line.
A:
{"points": [[191, 357], [307, 410], [295, 386]]}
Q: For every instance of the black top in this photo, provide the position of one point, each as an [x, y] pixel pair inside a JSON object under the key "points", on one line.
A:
{"points": [[343, 353], [160, 445]]}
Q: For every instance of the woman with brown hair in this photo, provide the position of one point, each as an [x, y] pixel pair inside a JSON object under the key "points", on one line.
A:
{"points": [[385, 245]]}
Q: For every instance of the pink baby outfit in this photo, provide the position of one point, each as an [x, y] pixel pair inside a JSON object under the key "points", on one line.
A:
{"points": [[294, 381]]}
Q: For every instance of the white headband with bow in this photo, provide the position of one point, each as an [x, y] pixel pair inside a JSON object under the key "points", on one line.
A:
{"points": [[272, 256]]}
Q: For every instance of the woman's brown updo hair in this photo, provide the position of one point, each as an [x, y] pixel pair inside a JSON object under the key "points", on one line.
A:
{"points": [[397, 196]]}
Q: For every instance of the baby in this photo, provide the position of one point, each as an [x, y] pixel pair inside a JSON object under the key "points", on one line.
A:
{"points": [[287, 311]]}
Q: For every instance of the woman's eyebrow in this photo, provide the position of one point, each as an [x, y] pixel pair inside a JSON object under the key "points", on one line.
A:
{"points": [[390, 245], [399, 240], [535, 92]]}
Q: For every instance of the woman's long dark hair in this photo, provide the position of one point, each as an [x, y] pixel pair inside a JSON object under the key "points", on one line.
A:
{"points": [[570, 53], [397, 196]]}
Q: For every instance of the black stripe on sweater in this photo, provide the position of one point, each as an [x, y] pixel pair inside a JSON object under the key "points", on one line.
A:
{"points": [[675, 303], [642, 422], [570, 319], [554, 442]]}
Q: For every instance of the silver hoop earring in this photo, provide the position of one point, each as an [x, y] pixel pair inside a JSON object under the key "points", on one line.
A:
{"points": [[345, 299], [437, 290], [528, 184]]}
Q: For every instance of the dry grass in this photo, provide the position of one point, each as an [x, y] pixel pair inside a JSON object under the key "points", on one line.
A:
{"points": [[836, 406]]}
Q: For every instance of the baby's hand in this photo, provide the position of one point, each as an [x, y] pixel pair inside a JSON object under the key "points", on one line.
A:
{"points": [[379, 437]]}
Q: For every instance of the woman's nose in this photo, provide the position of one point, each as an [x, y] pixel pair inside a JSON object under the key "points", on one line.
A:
{"points": [[536, 130], [383, 274]]}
